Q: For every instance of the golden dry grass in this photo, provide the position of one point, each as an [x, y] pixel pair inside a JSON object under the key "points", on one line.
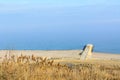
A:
{"points": [[38, 68]]}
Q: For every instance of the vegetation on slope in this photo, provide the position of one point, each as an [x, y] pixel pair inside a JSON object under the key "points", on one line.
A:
{"points": [[38, 68]]}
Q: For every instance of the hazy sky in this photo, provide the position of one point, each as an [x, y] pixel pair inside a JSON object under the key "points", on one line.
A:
{"points": [[76, 20], [48, 13], [63, 1]]}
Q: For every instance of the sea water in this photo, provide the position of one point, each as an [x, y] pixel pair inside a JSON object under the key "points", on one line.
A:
{"points": [[107, 40]]}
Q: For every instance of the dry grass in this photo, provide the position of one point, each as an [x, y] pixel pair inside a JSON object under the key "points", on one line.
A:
{"points": [[38, 68]]}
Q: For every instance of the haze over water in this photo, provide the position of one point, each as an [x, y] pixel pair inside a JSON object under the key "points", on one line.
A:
{"points": [[60, 25]]}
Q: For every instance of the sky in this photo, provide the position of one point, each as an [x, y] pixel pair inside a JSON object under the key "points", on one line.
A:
{"points": [[14, 4], [69, 22]]}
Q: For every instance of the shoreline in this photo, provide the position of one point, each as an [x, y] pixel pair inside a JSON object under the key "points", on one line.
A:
{"points": [[61, 54], [103, 52]]}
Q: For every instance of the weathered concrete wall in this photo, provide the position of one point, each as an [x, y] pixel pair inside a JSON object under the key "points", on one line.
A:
{"points": [[87, 52]]}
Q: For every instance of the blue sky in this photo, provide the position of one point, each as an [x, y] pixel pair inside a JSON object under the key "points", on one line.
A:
{"points": [[75, 12], [14, 5], [81, 11], [62, 1], [57, 21]]}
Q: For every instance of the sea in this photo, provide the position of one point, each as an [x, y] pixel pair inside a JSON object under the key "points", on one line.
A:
{"points": [[72, 38]]}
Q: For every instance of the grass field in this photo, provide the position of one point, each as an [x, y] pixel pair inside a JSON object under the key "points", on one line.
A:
{"points": [[39, 68]]}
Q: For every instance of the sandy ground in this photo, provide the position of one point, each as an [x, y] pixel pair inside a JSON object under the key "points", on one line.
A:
{"points": [[59, 54], [108, 56]]}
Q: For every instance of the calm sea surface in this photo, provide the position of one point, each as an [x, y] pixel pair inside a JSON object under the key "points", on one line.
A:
{"points": [[63, 39]]}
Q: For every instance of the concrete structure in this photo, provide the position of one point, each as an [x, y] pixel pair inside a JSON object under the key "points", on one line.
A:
{"points": [[87, 52]]}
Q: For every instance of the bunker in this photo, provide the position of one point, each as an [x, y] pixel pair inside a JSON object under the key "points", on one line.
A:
{"points": [[87, 52]]}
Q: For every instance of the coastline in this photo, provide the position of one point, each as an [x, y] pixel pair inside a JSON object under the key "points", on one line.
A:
{"points": [[60, 54]]}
